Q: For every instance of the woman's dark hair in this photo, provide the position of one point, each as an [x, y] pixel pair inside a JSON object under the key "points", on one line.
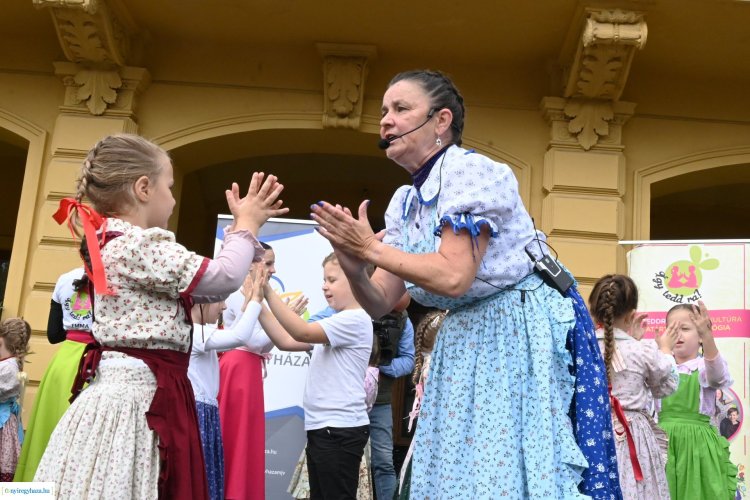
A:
{"points": [[266, 246], [613, 296], [442, 93]]}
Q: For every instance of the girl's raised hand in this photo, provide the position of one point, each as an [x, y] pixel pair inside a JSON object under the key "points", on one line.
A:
{"points": [[259, 282], [637, 325], [666, 339], [258, 205], [701, 319]]}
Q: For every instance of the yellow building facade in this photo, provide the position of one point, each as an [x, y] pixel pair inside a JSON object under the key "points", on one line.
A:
{"points": [[622, 120]]}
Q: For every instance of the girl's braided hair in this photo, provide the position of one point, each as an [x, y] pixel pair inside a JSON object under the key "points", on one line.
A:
{"points": [[110, 169], [613, 296], [16, 334]]}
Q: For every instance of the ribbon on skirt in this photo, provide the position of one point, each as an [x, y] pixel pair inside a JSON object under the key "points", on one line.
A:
{"points": [[620, 413]]}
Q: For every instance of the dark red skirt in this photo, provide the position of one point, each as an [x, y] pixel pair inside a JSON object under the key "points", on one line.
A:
{"points": [[171, 416]]}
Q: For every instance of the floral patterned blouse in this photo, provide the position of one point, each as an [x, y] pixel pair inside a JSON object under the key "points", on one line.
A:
{"points": [[466, 202], [149, 273]]}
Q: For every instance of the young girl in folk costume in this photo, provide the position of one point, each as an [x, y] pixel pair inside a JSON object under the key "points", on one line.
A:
{"points": [[698, 465], [69, 322], [336, 418], [203, 372], [424, 340], [638, 371], [14, 346], [133, 432]]}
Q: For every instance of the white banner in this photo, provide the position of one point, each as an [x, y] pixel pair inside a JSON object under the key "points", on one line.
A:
{"points": [[300, 251], [716, 273]]}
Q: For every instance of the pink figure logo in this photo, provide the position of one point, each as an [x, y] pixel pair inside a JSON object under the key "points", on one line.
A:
{"points": [[80, 304], [685, 276]]}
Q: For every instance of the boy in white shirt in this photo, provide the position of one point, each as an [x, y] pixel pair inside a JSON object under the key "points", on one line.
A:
{"points": [[336, 418]]}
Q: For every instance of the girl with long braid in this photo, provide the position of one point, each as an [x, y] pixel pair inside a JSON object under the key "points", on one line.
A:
{"points": [[133, 432], [638, 371]]}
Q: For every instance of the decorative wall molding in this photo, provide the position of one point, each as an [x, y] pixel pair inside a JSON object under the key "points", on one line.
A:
{"points": [[97, 38], [344, 75], [586, 123], [99, 91], [608, 43], [90, 31], [590, 113]]}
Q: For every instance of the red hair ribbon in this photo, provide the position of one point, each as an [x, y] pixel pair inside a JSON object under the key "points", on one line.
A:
{"points": [[92, 222], [617, 407]]}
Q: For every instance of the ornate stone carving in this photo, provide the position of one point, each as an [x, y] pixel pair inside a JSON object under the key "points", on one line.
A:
{"points": [[85, 5], [604, 54], [586, 123], [589, 120], [596, 78], [344, 74], [89, 31], [98, 91], [97, 36]]}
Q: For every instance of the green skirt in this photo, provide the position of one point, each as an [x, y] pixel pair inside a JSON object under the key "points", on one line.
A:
{"points": [[698, 465], [50, 404]]}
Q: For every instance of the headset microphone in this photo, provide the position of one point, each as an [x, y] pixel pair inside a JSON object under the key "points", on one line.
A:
{"points": [[385, 143]]}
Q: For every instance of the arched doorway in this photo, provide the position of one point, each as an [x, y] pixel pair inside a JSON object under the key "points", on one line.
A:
{"points": [[697, 196], [313, 165], [13, 152], [22, 146], [707, 204]]}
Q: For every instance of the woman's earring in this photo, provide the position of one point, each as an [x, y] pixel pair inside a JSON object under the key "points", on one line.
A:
{"points": [[439, 142]]}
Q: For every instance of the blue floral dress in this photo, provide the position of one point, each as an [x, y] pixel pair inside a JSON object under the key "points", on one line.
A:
{"points": [[590, 410], [494, 421]]}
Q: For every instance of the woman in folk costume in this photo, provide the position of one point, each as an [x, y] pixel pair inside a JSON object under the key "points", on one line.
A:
{"points": [[494, 421]]}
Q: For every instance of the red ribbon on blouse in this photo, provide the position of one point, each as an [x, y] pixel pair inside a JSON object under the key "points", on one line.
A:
{"points": [[620, 413], [92, 222]]}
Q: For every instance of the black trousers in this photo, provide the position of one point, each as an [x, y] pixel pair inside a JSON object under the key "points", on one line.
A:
{"points": [[333, 457]]}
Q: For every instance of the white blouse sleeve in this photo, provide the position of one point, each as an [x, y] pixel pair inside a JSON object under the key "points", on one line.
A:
{"points": [[237, 336]]}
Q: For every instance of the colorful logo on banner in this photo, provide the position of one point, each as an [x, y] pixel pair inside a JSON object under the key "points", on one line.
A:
{"points": [[681, 280], [288, 297]]}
